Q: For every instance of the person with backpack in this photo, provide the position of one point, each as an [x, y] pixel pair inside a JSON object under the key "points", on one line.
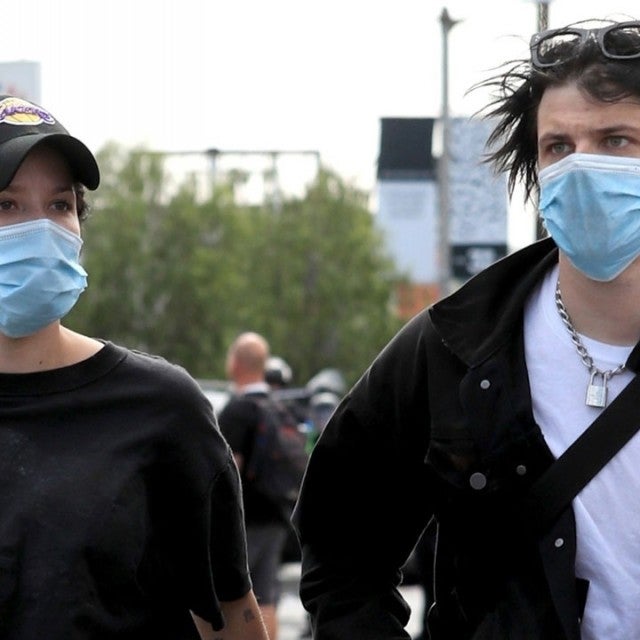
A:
{"points": [[507, 411], [271, 457]]}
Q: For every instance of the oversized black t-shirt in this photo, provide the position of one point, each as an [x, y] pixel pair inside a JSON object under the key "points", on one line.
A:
{"points": [[119, 503]]}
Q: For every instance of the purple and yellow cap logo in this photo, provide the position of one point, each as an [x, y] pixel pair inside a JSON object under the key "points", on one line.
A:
{"points": [[21, 112]]}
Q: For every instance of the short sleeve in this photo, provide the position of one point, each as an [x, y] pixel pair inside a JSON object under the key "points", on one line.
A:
{"points": [[215, 560], [198, 503]]}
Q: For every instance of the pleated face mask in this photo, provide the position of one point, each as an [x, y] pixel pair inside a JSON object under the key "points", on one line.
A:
{"points": [[40, 275], [590, 205]]}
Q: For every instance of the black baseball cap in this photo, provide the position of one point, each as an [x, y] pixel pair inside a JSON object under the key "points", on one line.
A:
{"points": [[23, 125]]}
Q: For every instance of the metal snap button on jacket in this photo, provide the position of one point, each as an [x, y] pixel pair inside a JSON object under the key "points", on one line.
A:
{"points": [[478, 480]]}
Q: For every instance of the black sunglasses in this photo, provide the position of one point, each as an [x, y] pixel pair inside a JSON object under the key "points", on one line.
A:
{"points": [[553, 47]]}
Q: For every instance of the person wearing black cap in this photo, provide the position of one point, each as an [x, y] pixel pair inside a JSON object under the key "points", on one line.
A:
{"points": [[506, 414], [120, 508]]}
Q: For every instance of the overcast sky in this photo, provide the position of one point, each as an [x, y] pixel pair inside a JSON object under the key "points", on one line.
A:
{"points": [[180, 75]]}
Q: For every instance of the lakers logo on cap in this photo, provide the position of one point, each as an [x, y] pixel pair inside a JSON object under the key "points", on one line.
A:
{"points": [[21, 112]]}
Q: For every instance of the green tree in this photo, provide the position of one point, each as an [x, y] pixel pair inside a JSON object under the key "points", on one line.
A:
{"points": [[325, 284], [181, 276]]}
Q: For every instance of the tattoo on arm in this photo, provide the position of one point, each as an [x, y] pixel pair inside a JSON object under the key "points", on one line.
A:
{"points": [[248, 615]]}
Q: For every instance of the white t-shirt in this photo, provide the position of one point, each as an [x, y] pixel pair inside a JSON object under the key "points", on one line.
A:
{"points": [[608, 509]]}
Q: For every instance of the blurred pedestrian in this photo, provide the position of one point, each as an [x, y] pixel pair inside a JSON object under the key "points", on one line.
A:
{"points": [[120, 509], [267, 528], [277, 373], [470, 412]]}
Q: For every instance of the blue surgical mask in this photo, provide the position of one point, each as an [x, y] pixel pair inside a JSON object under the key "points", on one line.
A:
{"points": [[40, 276], [590, 204]]}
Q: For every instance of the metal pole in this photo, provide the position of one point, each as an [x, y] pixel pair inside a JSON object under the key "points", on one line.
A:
{"points": [[543, 23], [443, 168], [543, 14]]}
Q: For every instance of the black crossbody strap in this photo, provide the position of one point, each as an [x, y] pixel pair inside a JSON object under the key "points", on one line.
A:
{"points": [[550, 494]]}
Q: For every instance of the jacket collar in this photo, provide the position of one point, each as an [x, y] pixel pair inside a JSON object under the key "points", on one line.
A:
{"points": [[479, 317]]}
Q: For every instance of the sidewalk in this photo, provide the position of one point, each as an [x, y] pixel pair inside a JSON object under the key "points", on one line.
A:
{"points": [[292, 616]]}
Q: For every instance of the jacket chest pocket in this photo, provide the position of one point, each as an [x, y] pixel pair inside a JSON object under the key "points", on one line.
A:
{"points": [[451, 457]]}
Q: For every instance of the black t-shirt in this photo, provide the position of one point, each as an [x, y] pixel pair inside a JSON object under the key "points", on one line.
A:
{"points": [[239, 420], [119, 503]]}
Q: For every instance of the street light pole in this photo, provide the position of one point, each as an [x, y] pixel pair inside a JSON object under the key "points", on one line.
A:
{"points": [[543, 23], [543, 14], [443, 166]]}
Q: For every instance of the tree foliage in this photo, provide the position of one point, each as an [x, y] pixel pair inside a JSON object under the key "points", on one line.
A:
{"points": [[181, 276]]}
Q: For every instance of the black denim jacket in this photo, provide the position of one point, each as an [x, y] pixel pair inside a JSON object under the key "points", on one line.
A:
{"points": [[441, 426]]}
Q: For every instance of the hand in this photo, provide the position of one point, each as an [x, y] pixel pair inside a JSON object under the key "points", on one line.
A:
{"points": [[242, 621]]}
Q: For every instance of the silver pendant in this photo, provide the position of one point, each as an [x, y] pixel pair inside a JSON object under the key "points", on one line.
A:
{"points": [[596, 393]]}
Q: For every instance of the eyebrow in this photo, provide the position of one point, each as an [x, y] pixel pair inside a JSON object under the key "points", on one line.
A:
{"points": [[553, 136], [611, 129]]}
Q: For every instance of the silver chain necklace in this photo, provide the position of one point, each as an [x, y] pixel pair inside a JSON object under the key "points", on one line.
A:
{"points": [[596, 393]]}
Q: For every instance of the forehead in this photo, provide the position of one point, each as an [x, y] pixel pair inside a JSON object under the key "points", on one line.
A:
{"points": [[568, 105]]}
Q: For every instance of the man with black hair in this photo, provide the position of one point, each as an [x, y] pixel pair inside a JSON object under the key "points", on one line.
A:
{"points": [[473, 405]]}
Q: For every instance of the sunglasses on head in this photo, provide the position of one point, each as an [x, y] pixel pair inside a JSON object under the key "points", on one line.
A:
{"points": [[553, 47]]}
